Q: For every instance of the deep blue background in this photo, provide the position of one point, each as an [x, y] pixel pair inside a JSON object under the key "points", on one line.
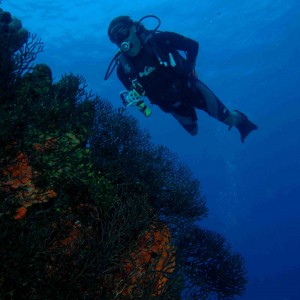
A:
{"points": [[249, 56]]}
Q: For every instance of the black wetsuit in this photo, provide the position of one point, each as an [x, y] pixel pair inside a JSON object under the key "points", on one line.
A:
{"points": [[167, 78]]}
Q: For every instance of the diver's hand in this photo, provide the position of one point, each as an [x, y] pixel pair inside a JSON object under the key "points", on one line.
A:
{"points": [[130, 98]]}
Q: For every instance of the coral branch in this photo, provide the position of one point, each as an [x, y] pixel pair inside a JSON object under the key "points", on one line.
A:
{"points": [[25, 57]]}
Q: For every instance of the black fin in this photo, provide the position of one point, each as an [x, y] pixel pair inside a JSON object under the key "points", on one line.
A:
{"points": [[245, 126]]}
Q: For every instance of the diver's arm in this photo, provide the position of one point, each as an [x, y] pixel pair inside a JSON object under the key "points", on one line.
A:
{"points": [[181, 43]]}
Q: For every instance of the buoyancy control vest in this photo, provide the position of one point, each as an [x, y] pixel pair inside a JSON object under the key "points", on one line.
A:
{"points": [[164, 58]]}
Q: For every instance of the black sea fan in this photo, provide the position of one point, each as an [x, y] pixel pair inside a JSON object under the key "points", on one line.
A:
{"points": [[211, 267]]}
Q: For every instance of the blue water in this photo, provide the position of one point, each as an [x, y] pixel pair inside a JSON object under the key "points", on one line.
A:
{"points": [[250, 57]]}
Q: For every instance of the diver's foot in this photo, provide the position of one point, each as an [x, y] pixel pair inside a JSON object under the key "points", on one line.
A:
{"points": [[245, 126]]}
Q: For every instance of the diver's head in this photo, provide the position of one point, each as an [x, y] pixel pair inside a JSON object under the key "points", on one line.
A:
{"points": [[122, 31]]}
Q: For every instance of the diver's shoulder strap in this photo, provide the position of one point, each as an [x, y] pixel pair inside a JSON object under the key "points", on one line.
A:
{"points": [[149, 41]]}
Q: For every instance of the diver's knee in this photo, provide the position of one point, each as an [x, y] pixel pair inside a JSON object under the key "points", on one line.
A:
{"points": [[192, 129], [195, 131]]}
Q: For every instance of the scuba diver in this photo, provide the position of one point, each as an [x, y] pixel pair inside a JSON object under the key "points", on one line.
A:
{"points": [[161, 66]]}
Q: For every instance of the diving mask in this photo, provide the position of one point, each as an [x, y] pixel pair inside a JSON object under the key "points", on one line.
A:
{"points": [[119, 33]]}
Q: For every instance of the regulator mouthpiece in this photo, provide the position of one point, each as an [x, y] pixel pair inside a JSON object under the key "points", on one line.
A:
{"points": [[125, 46]]}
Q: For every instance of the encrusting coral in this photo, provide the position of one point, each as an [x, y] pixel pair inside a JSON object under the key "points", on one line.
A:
{"points": [[152, 262], [18, 179]]}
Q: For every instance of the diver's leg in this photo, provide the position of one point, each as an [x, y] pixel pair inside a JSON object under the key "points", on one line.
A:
{"points": [[206, 100], [185, 114], [187, 122]]}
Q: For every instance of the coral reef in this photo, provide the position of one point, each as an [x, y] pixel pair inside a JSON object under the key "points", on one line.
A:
{"points": [[90, 208]]}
